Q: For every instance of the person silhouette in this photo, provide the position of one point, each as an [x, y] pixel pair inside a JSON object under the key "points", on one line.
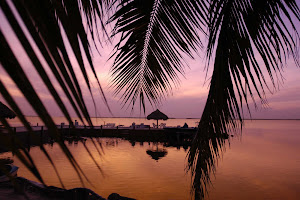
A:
{"points": [[185, 125]]}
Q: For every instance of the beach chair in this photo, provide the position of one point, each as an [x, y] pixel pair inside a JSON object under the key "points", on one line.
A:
{"points": [[133, 125], [154, 125], [162, 125], [110, 125]]}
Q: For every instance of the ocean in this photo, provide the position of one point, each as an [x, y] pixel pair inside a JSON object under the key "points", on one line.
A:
{"points": [[261, 163]]}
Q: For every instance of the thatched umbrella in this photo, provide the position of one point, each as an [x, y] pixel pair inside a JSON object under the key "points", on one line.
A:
{"points": [[5, 112], [157, 115]]}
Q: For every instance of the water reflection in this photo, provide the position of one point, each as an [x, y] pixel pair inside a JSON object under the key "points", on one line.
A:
{"points": [[157, 153], [111, 142], [156, 150], [204, 153], [263, 165]]}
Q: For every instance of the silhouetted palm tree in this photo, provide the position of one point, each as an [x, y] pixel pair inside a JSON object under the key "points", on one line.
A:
{"points": [[155, 36], [157, 33]]}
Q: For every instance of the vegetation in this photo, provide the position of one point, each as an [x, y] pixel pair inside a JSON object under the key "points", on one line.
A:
{"points": [[154, 35]]}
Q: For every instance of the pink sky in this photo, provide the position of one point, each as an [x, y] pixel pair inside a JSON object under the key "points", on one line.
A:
{"points": [[187, 101]]}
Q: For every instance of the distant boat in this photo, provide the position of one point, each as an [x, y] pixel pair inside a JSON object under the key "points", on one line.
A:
{"points": [[12, 169]]}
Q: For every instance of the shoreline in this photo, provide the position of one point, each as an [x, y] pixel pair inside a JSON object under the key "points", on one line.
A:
{"points": [[171, 118]]}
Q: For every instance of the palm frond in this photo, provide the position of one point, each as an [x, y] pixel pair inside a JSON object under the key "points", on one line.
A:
{"points": [[148, 56], [155, 34], [20, 115], [45, 21], [238, 29]]}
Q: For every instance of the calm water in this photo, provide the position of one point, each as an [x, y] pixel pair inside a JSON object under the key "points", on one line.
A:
{"points": [[263, 163]]}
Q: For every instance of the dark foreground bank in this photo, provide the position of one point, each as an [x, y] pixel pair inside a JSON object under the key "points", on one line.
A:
{"points": [[26, 189]]}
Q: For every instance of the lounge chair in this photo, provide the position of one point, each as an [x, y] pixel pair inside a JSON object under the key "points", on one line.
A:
{"points": [[110, 125], [162, 125]]}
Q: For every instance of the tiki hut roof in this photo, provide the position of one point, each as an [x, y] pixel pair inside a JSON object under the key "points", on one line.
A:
{"points": [[157, 115]]}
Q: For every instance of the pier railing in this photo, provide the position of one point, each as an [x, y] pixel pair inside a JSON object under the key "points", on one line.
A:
{"points": [[19, 129]]}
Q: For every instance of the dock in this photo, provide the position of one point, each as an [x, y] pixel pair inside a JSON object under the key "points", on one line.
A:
{"points": [[41, 135]]}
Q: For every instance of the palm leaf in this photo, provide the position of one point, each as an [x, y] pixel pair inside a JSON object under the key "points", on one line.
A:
{"points": [[45, 22], [154, 36], [20, 115], [149, 55], [238, 29]]}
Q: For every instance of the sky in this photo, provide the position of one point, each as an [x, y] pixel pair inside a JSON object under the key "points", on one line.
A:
{"points": [[187, 100]]}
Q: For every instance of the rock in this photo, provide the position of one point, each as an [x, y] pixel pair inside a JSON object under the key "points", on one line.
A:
{"points": [[115, 196]]}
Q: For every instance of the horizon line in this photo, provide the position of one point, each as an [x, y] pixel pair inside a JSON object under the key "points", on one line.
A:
{"points": [[178, 118]]}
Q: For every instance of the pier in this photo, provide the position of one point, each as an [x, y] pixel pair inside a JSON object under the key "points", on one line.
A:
{"points": [[170, 136]]}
